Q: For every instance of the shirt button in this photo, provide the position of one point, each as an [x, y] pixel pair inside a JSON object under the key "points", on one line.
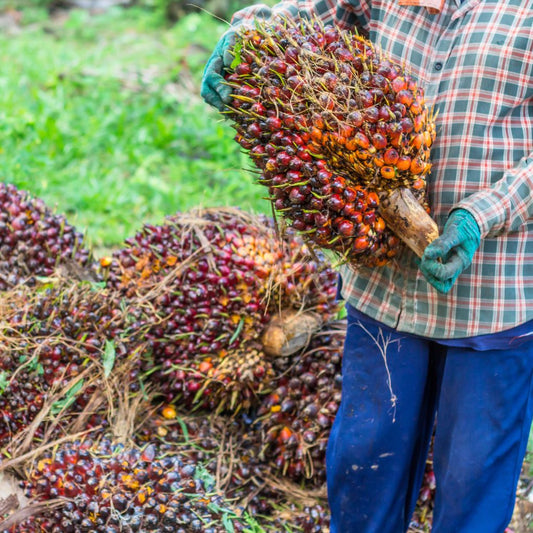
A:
{"points": [[438, 65]]}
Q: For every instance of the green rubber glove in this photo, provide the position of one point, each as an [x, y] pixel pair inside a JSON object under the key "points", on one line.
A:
{"points": [[212, 90], [447, 256]]}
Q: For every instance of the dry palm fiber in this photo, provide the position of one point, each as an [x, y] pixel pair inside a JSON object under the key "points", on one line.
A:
{"points": [[59, 344], [333, 125], [214, 278], [34, 241]]}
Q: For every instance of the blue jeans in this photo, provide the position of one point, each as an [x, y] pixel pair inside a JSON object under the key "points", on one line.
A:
{"points": [[393, 386]]}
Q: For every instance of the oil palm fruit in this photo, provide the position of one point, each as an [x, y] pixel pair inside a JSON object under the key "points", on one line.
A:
{"points": [[223, 445], [333, 125], [106, 487], [34, 240]]}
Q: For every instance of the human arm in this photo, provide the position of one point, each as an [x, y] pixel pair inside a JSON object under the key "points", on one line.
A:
{"points": [[488, 213]]}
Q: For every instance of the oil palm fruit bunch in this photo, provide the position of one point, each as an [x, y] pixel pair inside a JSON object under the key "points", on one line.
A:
{"points": [[213, 278], [34, 240], [58, 347], [203, 275], [296, 418], [223, 445], [228, 447], [334, 126], [106, 487]]}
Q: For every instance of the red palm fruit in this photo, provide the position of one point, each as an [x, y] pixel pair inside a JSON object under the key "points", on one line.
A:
{"points": [[417, 141], [361, 140], [346, 228], [405, 97], [336, 202], [338, 184], [355, 118], [391, 156], [388, 172], [361, 243], [350, 194], [366, 100], [379, 226], [419, 184], [274, 123], [371, 114], [403, 163], [379, 141], [372, 198], [399, 84], [417, 166], [254, 130], [243, 69], [258, 108]]}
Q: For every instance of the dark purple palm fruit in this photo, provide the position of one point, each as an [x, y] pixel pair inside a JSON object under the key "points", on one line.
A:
{"points": [[332, 124], [296, 418], [34, 241], [107, 487], [56, 347]]}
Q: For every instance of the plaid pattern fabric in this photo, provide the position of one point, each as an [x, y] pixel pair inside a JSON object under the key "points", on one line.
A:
{"points": [[475, 61]]}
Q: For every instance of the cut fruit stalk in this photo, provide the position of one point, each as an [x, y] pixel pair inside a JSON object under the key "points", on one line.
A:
{"points": [[408, 219], [289, 332]]}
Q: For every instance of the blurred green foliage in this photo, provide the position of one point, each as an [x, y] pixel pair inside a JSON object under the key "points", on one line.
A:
{"points": [[100, 115]]}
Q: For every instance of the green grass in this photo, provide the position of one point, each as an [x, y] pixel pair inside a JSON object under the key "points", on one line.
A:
{"points": [[101, 117]]}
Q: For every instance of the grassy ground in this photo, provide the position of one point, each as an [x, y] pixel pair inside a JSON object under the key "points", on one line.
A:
{"points": [[100, 115]]}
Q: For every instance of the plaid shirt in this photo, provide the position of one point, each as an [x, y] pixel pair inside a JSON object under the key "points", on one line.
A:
{"points": [[475, 61]]}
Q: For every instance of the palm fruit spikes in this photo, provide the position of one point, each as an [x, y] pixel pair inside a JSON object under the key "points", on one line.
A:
{"points": [[214, 278], [106, 487], [333, 125], [33, 240]]}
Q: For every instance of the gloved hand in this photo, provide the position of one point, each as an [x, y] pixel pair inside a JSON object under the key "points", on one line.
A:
{"points": [[212, 90], [447, 256]]}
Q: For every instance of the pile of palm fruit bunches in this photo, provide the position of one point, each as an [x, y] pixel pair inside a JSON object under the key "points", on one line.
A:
{"points": [[189, 381], [141, 391], [334, 127]]}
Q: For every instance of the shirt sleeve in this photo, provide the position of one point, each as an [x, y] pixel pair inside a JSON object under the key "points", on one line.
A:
{"points": [[507, 205], [347, 14]]}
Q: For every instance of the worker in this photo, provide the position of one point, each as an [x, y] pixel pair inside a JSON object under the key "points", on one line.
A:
{"points": [[449, 336]]}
